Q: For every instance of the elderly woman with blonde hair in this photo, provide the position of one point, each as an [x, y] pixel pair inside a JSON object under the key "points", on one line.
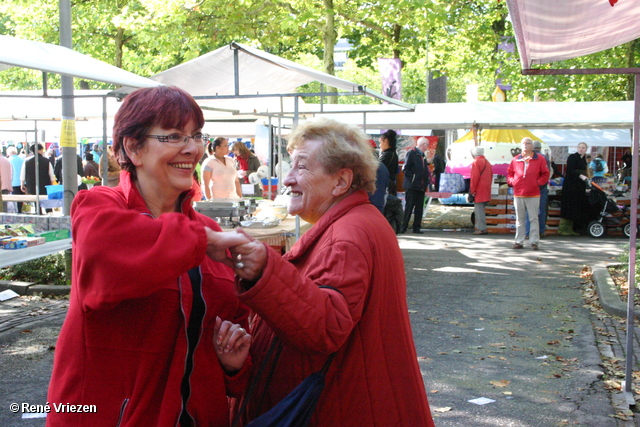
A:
{"points": [[340, 290]]}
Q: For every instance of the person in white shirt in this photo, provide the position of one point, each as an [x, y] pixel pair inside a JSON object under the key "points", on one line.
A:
{"points": [[219, 175]]}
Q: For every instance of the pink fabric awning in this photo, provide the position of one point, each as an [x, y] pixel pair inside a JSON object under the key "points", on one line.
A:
{"points": [[554, 30]]}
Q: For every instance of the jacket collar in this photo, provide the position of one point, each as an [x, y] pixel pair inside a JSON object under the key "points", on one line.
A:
{"points": [[329, 217], [520, 159]]}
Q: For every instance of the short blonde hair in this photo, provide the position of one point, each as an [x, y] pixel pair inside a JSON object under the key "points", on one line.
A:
{"points": [[343, 147]]}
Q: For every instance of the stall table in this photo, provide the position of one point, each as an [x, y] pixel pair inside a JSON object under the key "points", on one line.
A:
{"points": [[281, 237], [45, 202], [10, 257]]}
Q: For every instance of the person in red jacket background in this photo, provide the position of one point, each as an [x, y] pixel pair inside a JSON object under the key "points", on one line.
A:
{"points": [[154, 335], [480, 187], [340, 289], [526, 173]]}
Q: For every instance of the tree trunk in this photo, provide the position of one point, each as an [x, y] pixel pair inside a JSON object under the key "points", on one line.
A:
{"points": [[329, 37], [396, 41], [119, 44]]}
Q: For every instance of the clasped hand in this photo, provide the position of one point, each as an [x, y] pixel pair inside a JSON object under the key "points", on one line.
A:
{"points": [[232, 344], [249, 256]]}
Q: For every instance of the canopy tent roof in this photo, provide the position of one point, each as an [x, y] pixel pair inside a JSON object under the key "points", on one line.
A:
{"points": [[557, 137], [259, 74], [31, 105], [511, 136], [498, 115], [56, 59], [554, 30], [592, 137], [596, 123]]}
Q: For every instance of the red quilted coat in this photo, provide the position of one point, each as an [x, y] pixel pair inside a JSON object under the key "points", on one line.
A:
{"points": [[123, 345], [374, 379], [481, 179]]}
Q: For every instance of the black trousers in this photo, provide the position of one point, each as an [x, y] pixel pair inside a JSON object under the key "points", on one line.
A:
{"points": [[18, 190], [414, 203]]}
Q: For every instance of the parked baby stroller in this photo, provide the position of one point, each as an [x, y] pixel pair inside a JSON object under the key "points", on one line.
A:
{"points": [[610, 215]]}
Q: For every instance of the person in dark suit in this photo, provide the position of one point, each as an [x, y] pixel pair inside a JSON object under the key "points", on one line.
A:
{"points": [[416, 182], [29, 183]]}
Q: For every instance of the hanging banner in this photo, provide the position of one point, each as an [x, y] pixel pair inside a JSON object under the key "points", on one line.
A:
{"points": [[390, 71], [68, 133]]}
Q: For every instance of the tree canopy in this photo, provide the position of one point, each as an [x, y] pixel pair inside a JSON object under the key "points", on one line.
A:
{"points": [[466, 40]]}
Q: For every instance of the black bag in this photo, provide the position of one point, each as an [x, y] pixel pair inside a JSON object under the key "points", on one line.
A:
{"points": [[470, 198], [599, 167], [296, 409]]}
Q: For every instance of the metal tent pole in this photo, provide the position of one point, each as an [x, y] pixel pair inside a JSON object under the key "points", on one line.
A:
{"points": [[68, 141], [104, 161], [628, 372]]}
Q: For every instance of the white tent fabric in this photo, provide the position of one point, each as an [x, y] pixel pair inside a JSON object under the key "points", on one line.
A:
{"points": [[592, 137], [259, 73], [554, 30], [499, 115], [30, 104], [15, 52]]}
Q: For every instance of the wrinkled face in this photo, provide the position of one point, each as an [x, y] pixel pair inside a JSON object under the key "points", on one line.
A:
{"points": [[526, 146], [311, 186], [582, 148], [167, 166], [423, 146]]}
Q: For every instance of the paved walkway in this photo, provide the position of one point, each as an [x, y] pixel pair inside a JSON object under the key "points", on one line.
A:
{"points": [[512, 326]]}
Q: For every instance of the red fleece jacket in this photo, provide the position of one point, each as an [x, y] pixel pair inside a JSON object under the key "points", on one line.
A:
{"points": [[123, 345]]}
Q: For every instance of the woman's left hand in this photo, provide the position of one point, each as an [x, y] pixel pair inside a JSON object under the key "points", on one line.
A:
{"points": [[232, 343]]}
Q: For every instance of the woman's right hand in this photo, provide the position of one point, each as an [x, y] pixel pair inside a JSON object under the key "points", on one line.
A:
{"points": [[219, 241], [250, 258]]}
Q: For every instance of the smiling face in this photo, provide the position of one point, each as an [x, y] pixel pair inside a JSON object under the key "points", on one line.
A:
{"points": [[165, 170], [313, 191]]}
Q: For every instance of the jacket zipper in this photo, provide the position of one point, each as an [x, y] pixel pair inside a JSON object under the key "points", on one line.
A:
{"points": [[123, 407], [186, 326]]}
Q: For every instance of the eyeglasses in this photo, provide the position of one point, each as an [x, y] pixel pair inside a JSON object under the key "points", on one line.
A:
{"points": [[180, 139]]}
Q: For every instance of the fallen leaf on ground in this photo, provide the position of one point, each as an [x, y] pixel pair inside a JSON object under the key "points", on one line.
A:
{"points": [[501, 383]]}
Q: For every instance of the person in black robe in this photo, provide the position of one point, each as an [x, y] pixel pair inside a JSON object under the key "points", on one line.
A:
{"points": [[575, 211]]}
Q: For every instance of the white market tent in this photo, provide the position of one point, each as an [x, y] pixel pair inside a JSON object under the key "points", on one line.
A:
{"points": [[46, 104], [498, 115], [238, 76], [15, 52], [592, 137], [553, 30], [49, 58]]}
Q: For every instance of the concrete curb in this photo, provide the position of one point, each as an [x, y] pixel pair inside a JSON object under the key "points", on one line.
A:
{"points": [[30, 288], [609, 296]]}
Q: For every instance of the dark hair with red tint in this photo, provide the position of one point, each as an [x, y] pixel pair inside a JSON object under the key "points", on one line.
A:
{"points": [[166, 106]]}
